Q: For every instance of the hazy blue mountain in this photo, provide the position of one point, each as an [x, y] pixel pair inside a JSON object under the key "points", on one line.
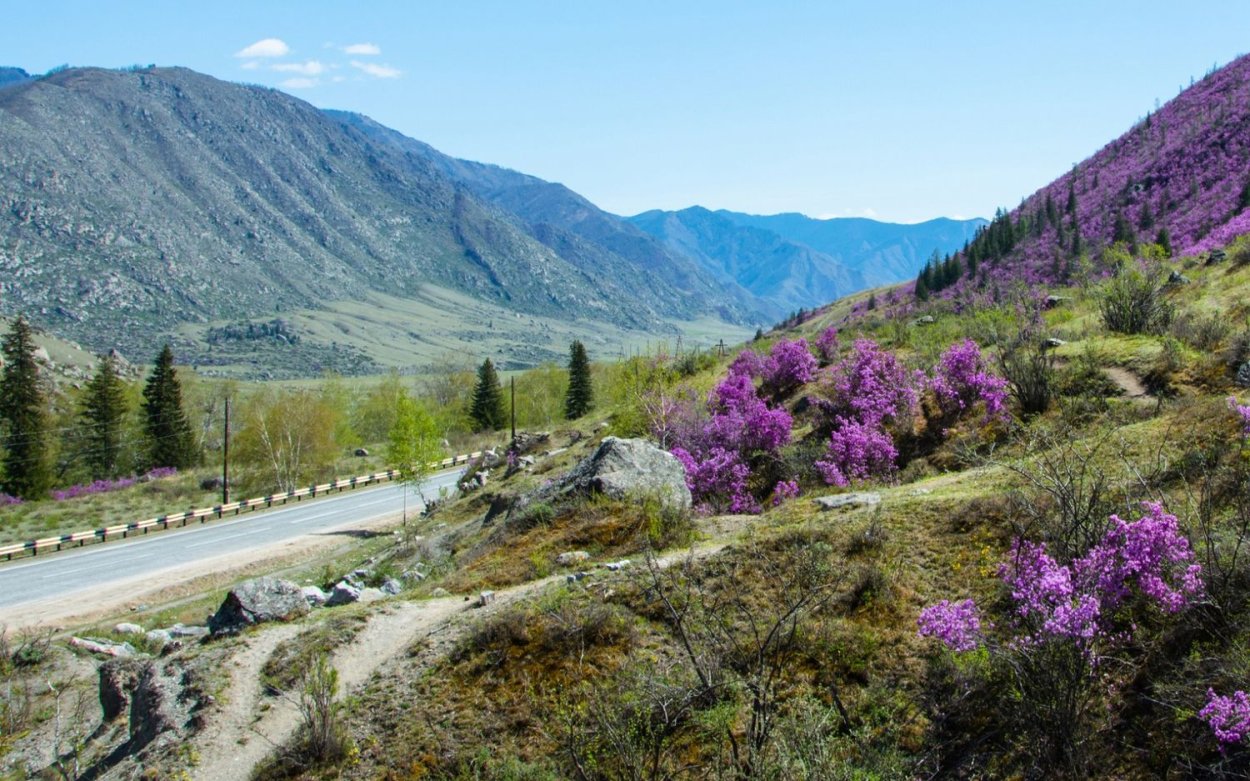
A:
{"points": [[581, 232], [800, 262], [12, 76]]}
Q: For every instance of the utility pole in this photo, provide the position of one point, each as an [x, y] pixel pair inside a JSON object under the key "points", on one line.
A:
{"points": [[513, 384], [225, 457]]}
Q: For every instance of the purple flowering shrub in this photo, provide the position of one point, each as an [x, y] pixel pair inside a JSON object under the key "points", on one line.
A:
{"points": [[1242, 411], [827, 346], [789, 365], [1082, 602], [784, 491], [6, 500], [1228, 717], [857, 451], [956, 624], [721, 444], [961, 381], [105, 486]]}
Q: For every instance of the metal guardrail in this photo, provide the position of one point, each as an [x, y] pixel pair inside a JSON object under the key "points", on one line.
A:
{"points": [[124, 530]]}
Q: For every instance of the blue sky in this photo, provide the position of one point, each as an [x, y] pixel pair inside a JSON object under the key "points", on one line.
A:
{"points": [[896, 110]]}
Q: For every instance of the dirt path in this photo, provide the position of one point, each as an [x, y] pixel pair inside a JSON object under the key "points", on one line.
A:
{"points": [[1127, 382], [238, 738]]}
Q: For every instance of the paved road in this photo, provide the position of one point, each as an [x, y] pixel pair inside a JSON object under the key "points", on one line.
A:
{"points": [[59, 574]]}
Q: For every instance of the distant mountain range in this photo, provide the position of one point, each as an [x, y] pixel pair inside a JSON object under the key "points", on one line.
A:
{"points": [[152, 203], [799, 262]]}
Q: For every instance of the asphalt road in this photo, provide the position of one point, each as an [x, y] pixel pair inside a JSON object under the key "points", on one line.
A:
{"points": [[61, 574]]}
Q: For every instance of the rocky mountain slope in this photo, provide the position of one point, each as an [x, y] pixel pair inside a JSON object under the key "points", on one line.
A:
{"points": [[138, 201], [798, 261]]}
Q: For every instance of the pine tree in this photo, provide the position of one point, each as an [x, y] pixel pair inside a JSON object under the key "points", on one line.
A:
{"points": [[170, 442], [486, 409], [1071, 207], [103, 411], [581, 395], [1164, 240], [27, 470], [922, 288]]}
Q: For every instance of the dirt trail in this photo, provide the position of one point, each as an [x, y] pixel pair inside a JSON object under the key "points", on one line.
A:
{"points": [[1127, 382], [237, 739]]}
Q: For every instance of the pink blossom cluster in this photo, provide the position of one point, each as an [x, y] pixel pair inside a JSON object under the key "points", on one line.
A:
{"points": [[1228, 717], [956, 624], [784, 491], [960, 381], [104, 486], [1078, 601], [6, 500], [789, 365], [868, 390], [827, 345], [718, 477], [1243, 412]]}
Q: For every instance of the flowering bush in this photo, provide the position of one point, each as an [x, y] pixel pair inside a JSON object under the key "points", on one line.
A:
{"points": [[718, 477], [960, 381], [956, 624], [788, 366], [871, 386], [1243, 412], [6, 500], [784, 491], [827, 345], [104, 486], [1078, 602], [1228, 717], [857, 451]]}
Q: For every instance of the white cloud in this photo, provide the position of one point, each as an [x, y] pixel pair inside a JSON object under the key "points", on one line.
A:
{"points": [[377, 71], [266, 47], [363, 49], [299, 82], [310, 68]]}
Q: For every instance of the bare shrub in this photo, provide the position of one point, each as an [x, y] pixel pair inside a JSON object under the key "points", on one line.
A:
{"points": [[1134, 301], [1030, 372]]}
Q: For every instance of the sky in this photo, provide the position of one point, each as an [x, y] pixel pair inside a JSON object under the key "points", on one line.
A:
{"points": [[900, 111]]}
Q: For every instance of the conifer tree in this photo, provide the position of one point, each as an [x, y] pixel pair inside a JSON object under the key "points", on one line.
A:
{"points": [[580, 396], [170, 442], [486, 409], [27, 470], [1164, 240], [103, 412]]}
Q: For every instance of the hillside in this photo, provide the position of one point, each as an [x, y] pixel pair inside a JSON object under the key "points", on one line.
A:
{"points": [[800, 262], [179, 199], [1180, 178]]}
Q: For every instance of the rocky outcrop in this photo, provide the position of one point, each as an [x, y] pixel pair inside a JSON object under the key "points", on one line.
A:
{"points": [[118, 678], [256, 602]]}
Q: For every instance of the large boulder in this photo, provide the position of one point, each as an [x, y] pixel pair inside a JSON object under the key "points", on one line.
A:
{"points": [[620, 469], [257, 601]]}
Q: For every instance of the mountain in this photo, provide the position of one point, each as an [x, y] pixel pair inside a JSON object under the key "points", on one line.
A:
{"points": [[179, 203], [799, 262], [12, 76], [577, 230], [1182, 173]]}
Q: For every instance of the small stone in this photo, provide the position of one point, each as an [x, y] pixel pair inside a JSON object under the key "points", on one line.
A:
{"points": [[314, 596], [485, 598], [839, 501], [572, 557], [180, 630], [1177, 278], [440, 592], [392, 587], [343, 593], [1052, 343], [128, 629], [617, 566], [158, 637], [372, 594], [361, 452], [925, 320]]}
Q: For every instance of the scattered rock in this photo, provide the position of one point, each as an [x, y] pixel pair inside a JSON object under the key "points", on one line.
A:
{"points": [[555, 452], [414, 575], [118, 678], [572, 557], [391, 587], [1052, 343], [360, 452], [180, 630], [158, 637], [119, 650], [602, 425], [576, 576], [1216, 256], [485, 598], [372, 594], [491, 459], [1054, 301], [839, 501], [440, 592], [257, 601], [211, 484], [1177, 278], [617, 566], [343, 593], [1243, 375], [525, 462], [314, 596], [526, 441], [128, 629], [925, 320], [919, 492]]}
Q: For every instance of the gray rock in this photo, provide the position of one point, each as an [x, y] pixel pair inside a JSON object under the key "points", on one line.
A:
{"points": [[491, 459], [1243, 375], [617, 566], [526, 441], [118, 678], [372, 594], [485, 598], [256, 602], [314, 596], [343, 593], [156, 706], [576, 576], [924, 320], [360, 574], [361, 452], [118, 650], [572, 557], [619, 469], [525, 462], [414, 575], [840, 501], [127, 628], [210, 484], [1054, 301], [392, 587], [1217, 256], [440, 592], [180, 630], [1177, 278], [555, 452], [158, 637], [1052, 343]]}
